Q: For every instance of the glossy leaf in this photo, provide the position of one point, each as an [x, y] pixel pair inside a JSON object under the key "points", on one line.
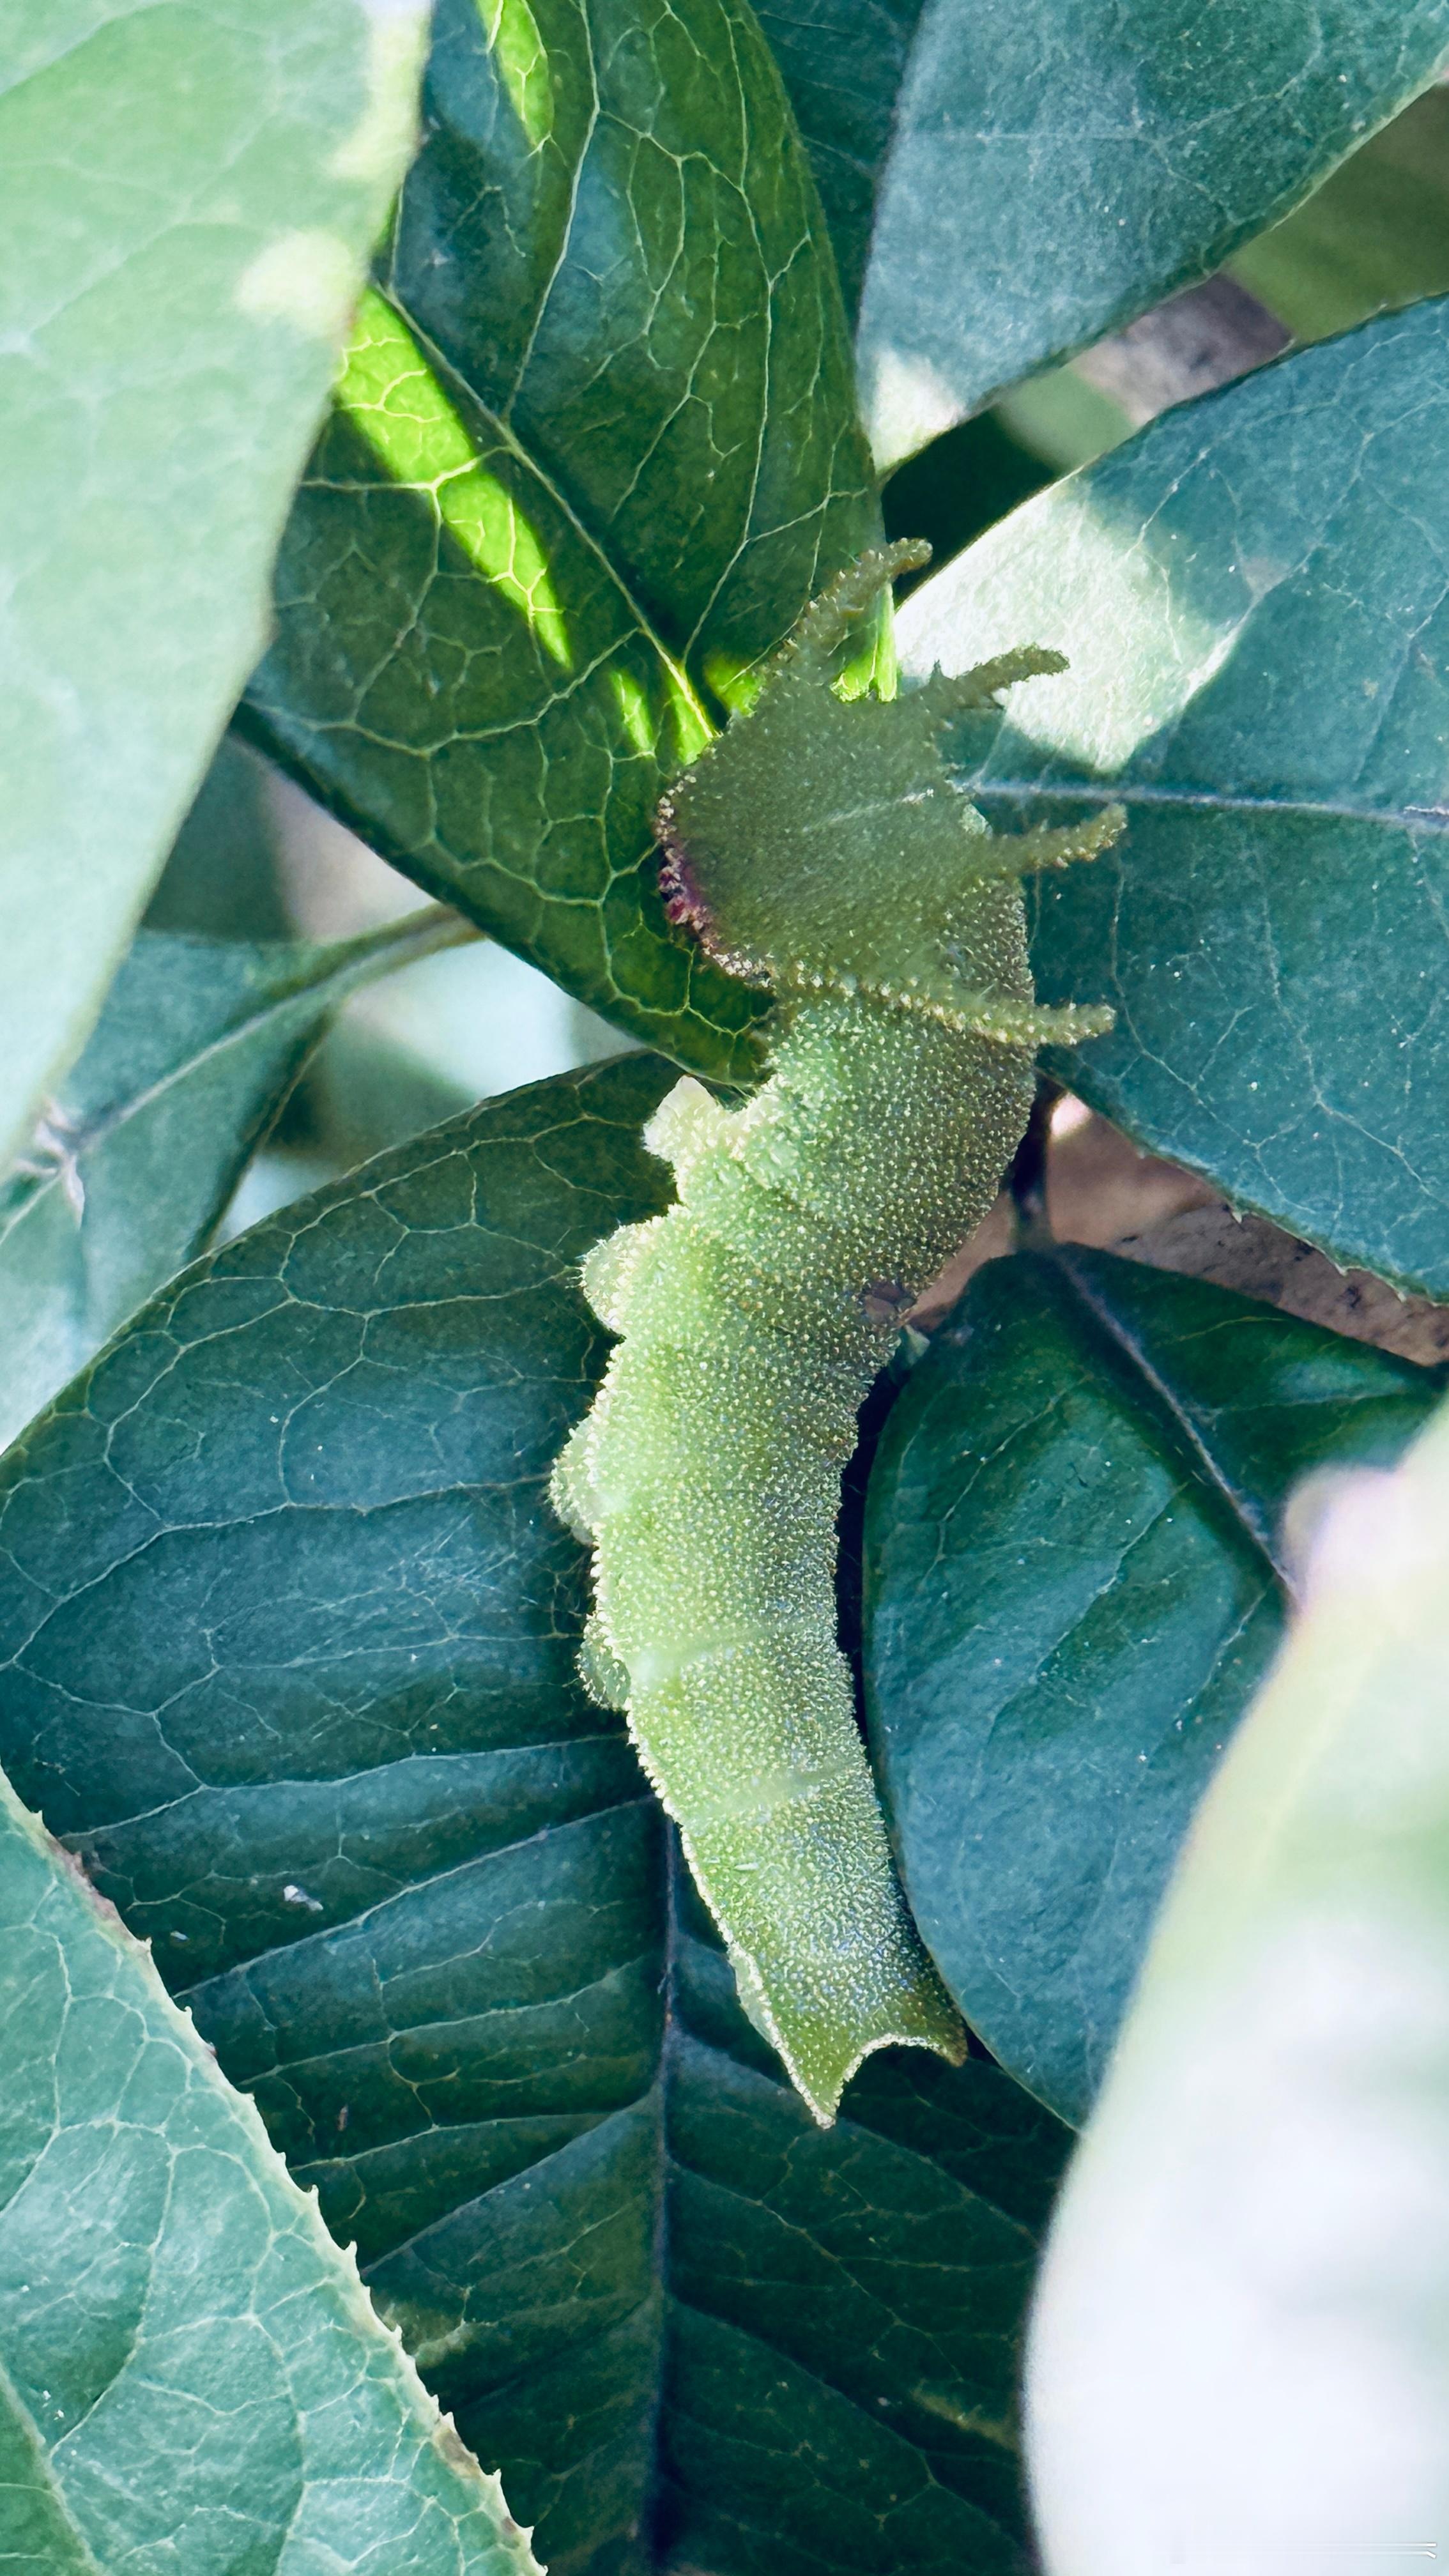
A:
{"points": [[894, 100], [192, 2373], [198, 1044], [1057, 166], [288, 1640], [173, 299], [616, 247], [503, 739], [843, 62], [1073, 1586], [1253, 599], [1239, 2349], [595, 449]]}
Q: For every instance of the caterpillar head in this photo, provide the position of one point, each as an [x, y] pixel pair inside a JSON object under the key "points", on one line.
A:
{"points": [[822, 844]]}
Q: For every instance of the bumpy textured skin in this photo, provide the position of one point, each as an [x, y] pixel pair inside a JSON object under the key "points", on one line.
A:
{"points": [[819, 847]]}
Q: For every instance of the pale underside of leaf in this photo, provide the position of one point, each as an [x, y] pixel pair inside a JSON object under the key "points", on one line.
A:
{"points": [[172, 311]]}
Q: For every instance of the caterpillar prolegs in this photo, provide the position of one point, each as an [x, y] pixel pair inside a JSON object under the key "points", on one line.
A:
{"points": [[821, 848]]}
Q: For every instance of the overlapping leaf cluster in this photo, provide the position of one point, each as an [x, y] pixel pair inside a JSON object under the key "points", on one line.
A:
{"points": [[286, 1632]]}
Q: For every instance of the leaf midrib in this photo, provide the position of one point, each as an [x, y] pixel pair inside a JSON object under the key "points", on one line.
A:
{"points": [[1178, 1415], [1126, 791], [508, 437], [669, 2165], [662, 2290], [380, 954]]}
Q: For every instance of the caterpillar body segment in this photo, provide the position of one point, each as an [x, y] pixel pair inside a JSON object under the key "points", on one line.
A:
{"points": [[755, 1314], [708, 1478]]}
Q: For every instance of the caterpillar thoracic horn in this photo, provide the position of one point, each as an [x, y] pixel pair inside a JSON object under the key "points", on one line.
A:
{"points": [[821, 848]]}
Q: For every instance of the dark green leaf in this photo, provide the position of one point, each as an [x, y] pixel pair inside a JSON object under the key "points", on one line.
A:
{"points": [[190, 2375], [596, 449], [1057, 166], [1072, 1588], [869, 81], [199, 1043], [617, 250], [843, 62], [1254, 600], [288, 1640], [174, 292]]}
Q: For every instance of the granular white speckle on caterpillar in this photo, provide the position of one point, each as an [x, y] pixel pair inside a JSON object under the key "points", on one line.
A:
{"points": [[819, 847]]}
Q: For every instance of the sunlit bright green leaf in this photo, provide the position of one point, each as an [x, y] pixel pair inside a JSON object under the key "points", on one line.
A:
{"points": [[595, 448]]}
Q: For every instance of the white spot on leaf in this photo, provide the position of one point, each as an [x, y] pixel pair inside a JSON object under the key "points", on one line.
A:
{"points": [[307, 278]]}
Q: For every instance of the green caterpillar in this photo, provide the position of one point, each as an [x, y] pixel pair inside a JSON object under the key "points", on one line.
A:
{"points": [[820, 848]]}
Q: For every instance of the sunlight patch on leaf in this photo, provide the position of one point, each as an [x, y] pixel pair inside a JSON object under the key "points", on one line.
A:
{"points": [[390, 394], [522, 58], [1251, 594], [305, 278], [633, 709], [1141, 645]]}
